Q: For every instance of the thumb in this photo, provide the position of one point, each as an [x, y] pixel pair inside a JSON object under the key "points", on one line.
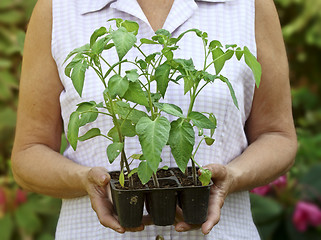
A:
{"points": [[99, 176], [218, 170]]}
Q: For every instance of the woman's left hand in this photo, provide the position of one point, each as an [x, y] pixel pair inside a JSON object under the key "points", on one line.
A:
{"points": [[222, 178]]}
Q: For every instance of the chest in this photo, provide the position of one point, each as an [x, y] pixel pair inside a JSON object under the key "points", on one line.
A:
{"points": [[156, 11]]}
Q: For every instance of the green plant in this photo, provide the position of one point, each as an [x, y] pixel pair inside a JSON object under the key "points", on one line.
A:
{"points": [[125, 91]]}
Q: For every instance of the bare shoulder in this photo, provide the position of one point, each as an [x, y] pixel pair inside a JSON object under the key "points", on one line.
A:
{"points": [[39, 118], [271, 108], [268, 28]]}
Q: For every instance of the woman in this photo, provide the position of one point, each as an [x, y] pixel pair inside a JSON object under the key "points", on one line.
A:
{"points": [[253, 145]]}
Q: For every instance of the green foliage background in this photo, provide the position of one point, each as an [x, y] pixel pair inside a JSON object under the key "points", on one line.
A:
{"points": [[301, 22]]}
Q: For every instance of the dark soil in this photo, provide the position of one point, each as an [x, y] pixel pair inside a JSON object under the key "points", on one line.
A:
{"points": [[163, 183], [137, 183], [185, 180], [164, 173]]}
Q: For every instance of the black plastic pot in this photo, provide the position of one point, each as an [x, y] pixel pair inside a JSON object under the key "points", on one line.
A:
{"points": [[129, 205], [161, 202], [194, 203]]}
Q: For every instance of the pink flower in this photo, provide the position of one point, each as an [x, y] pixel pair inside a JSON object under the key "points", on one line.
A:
{"points": [[21, 197], [263, 190], [306, 214], [281, 182]]}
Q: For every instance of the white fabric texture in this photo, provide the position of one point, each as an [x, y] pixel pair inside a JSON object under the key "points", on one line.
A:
{"points": [[225, 20]]}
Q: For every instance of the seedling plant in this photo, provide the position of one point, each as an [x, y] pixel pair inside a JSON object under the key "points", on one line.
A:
{"points": [[145, 84]]}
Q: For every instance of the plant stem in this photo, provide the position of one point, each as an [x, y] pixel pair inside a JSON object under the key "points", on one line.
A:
{"points": [[155, 180], [124, 159], [192, 100], [194, 172]]}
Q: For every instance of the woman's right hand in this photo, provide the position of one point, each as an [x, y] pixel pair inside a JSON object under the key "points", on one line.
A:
{"points": [[98, 189]]}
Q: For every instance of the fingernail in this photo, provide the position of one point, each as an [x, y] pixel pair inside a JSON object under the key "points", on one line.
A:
{"points": [[103, 179], [180, 229]]}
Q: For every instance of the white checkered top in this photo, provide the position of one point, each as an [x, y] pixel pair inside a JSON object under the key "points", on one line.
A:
{"points": [[229, 21]]}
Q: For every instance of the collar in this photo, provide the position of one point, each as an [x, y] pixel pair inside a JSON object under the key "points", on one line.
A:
{"points": [[93, 6]]}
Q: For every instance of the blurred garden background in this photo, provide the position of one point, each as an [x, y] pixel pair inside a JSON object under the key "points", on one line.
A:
{"points": [[287, 209]]}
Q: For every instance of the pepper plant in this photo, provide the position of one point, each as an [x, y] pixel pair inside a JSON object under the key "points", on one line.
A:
{"points": [[145, 85]]}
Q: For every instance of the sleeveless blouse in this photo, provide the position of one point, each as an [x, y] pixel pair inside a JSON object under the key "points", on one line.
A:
{"points": [[229, 21]]}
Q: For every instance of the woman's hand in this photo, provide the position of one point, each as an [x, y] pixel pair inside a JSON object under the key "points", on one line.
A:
{"points": [[99, 193], [223, 179]]}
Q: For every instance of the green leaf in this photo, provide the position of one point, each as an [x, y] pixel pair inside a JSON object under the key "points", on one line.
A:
{"points": [[132, 75], [135, 94], [188, 84], [132, 172], [94, 132], [161, 76], [142, 63], [123, 41], [312, 179], [131, 26], [205, 177], [168, 53], [117, 86], [220, 57], [122, 178], [73, 130], [113, 133], [87, 112], [144, 172], [100, 45], [209, 141], [153, 136], [230, 87], [214, 44], [81, 50], [230, 45], [181, 141], [186, 64], [127, 128], [254, 65], [201, 121], [163, 32], [170, 109], [136, 156], [131, 114], [150, 57], [96, 34], [212, 118], [72, 64], [113, 150], [239, 53], [6, 227], [147, 41], [78, 75], [27, 219], [264, 209]]}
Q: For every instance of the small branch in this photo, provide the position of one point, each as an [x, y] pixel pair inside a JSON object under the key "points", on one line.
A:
{"points": [[155, 180]]}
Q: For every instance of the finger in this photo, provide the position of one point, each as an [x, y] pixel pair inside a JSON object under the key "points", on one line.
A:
{"points": [[105, 213], [183, 227], [99, 176], [147, 220], [218, 171], [137, 229], [180, 225], [214, 211]]}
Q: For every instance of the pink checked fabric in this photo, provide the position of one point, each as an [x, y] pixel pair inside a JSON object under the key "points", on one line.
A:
{"points": [[230, 21]]}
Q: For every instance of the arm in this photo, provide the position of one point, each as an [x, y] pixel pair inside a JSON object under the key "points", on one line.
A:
{"points": [[36, 163], [269, 128]]}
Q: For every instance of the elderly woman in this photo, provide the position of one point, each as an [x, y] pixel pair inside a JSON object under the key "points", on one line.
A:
{"points": [[254, 144]]}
